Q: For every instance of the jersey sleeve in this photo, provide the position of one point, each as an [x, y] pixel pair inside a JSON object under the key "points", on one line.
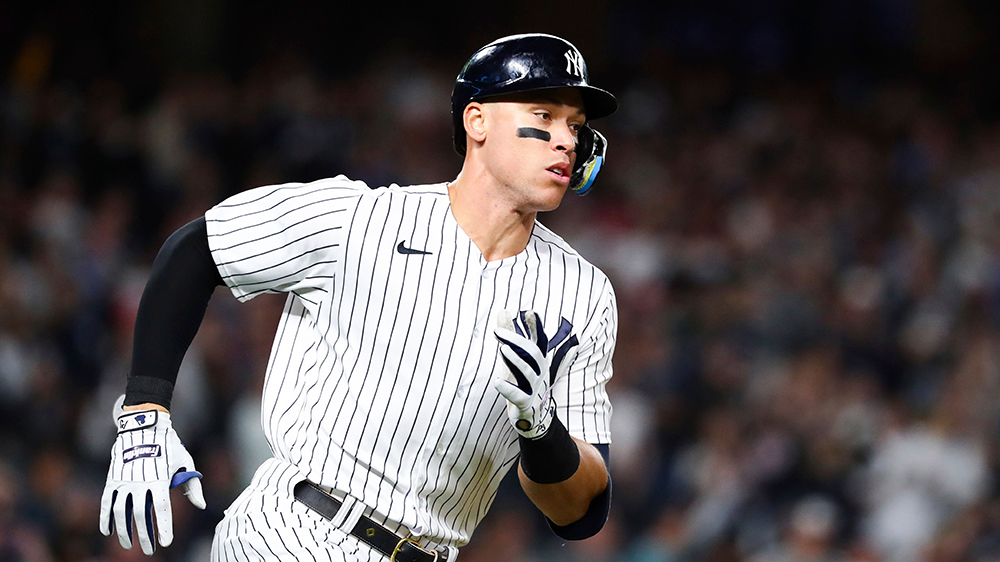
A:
{"points": [[282, 238], [581, 398]]}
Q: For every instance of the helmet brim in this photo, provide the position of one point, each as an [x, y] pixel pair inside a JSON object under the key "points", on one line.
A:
{"points": [[597, 103]]}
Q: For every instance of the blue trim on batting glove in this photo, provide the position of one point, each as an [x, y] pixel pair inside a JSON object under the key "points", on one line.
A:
{"points": [[183, 476]]}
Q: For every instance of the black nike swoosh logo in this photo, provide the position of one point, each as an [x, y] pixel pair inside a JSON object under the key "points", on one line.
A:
{"points": [[404, 250]]}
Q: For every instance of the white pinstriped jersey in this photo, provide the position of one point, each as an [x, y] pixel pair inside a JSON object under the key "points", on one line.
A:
{"points": [[379, 380]]}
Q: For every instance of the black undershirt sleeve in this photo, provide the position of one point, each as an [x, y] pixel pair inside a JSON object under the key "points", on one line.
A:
{"points": [[597, 514], [172, 307]]}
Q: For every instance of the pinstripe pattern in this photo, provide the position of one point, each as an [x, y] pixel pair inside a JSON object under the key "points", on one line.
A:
{"points": [[265, 523], [379, 380]]}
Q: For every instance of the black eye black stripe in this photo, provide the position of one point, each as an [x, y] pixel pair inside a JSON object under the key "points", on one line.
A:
{"points": [[533, 133]]}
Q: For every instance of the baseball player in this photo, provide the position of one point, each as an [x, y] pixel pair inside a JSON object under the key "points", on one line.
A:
{"points": [[433, 336]]}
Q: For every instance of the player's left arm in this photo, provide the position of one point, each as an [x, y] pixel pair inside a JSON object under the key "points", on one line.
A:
{"points": [[559, 406]]}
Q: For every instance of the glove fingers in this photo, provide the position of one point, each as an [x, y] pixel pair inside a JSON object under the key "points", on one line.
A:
{"points": [[521, 364], [142, 510], [513, 338], [193, 491], [504, 321], [107, 500], [188, 478], [520, 370], [511, 392], [123, 519], [524, 347], [536, 332], [522, 328], [164, 516]]}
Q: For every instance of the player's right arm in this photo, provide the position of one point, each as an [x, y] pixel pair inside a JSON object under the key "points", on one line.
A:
{"points": [[171, 309], [282, 238], [148, 457]]}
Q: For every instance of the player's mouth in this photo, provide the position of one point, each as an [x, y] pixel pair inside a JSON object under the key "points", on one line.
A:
{"points": [[560, 172]]}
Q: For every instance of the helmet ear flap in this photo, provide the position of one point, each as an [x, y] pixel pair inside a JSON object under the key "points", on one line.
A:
{"points": [[591, 147]]}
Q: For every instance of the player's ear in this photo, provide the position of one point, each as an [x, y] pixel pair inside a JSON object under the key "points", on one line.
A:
{"points": [[474, 119]]}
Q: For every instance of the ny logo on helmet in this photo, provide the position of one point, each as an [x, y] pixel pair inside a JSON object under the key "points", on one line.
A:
{"points": [[574, 63]]}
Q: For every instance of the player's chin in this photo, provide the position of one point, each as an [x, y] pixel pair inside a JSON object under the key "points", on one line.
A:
{"points": [[549, 197]]}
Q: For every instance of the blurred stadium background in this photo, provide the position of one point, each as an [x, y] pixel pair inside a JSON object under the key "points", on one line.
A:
{"points": [[801, 216]]}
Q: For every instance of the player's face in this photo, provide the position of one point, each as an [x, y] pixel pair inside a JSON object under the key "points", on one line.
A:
{"points": [[531, 145]]}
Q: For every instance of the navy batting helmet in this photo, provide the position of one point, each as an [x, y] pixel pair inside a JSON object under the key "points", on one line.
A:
{"points": [[529, 62]]}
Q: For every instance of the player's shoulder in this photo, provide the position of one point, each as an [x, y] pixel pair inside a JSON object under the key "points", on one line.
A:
{"points": [[344, 185], [434, 190], [394, 191], [268, 195], [340, 191], [552, 247], [360, 187]]}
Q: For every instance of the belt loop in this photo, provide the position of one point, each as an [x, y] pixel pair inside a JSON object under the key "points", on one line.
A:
{"points": [[352, 510], [342, 512]]}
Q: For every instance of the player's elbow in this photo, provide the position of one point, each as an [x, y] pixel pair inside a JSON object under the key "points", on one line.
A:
{"points": [[565, 503], [594, 516], [575, 505]]}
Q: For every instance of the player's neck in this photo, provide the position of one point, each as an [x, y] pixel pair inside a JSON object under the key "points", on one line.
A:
{"points": [[494, 225]]}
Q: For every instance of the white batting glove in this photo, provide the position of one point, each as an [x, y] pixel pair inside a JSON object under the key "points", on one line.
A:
{"points": [[533, 364], [146, 461]]}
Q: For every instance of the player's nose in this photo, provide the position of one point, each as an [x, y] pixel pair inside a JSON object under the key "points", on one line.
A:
{"points": [[563, 138]]}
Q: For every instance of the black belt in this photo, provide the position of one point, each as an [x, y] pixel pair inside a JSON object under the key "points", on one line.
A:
{"points": [[393, 546]]}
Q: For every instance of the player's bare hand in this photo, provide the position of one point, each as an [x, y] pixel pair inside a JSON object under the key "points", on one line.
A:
{"points": [[533, 364], [147, 460]]}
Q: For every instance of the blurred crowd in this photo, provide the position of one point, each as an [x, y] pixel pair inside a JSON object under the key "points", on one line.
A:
{"points": [[807, 272]]}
